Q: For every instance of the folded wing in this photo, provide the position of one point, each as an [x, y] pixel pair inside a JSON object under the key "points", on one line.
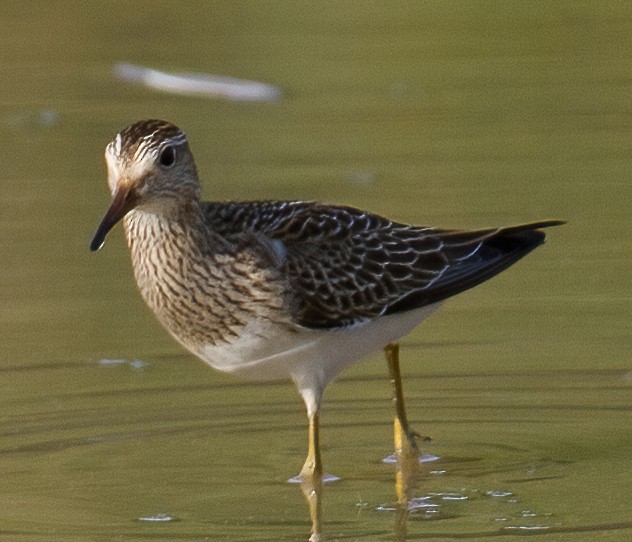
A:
{"points": [[346, 265]]}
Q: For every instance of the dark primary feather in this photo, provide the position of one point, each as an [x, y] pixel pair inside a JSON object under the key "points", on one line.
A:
{"points": [[346, 265]]}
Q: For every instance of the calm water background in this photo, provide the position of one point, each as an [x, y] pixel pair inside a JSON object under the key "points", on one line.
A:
{"points": [[460, 114]]}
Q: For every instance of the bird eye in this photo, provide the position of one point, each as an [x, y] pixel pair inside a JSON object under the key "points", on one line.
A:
{"points": [[167, 156]]}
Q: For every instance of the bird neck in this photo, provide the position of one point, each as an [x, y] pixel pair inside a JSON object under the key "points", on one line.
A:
{"points": [[158, 226]]}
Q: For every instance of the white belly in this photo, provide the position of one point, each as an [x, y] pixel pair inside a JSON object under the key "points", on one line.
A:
{"points": [[309, 357]]}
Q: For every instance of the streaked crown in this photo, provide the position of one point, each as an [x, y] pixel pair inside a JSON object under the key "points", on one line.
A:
{"points": [[146, 137], [152, 159]]}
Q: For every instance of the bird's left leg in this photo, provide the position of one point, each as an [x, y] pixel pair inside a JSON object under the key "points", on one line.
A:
{"points": [[406, 450], [311, 476], [405, 437]]}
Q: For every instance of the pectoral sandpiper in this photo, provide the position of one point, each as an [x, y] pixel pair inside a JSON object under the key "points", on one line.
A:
{"points": [[285, 289]]}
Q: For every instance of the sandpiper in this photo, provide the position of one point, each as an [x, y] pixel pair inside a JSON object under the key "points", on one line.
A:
{"points": [[285, 289]]}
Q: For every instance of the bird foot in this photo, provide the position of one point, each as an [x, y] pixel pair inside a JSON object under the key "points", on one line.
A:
{"points": [[413, 435], [408, 441]]}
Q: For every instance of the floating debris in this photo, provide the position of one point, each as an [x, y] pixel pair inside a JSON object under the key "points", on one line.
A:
{"points": [[198, 84]]}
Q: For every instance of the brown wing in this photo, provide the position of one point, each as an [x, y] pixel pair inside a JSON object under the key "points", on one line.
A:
{"points": [[345, 265]]}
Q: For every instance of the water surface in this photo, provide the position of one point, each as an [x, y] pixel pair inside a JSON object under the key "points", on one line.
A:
{"points": [[454, 114]]}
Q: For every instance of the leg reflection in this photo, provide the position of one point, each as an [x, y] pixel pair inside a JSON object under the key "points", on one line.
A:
{"points": [[405, 480]]}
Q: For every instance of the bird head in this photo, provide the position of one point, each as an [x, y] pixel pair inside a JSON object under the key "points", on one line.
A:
{"points": [[150, 168]]}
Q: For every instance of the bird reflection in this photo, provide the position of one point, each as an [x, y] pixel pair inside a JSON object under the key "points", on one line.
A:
{"points": [[407, 460], [406, 477], [312, 487]]}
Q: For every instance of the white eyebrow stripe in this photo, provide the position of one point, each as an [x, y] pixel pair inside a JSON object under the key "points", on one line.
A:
{"points": [[149, 144], [118, 144], [177, 139]]}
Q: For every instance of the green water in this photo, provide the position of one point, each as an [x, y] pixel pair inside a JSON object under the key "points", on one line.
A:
{"points": [[459, 114]]}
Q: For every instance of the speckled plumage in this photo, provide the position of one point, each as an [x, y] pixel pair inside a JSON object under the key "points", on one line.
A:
{"points": [[344, 265], [274, 289]]}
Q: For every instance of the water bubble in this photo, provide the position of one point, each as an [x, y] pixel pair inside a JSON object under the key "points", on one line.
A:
{"points": [[327, 478], [450, 496], [498, 493], [423, 458], [158, 518], [111, 362], [526, 528], [134, 364]]}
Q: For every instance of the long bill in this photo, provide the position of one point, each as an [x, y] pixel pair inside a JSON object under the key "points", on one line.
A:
{"points": [[122, 203]]}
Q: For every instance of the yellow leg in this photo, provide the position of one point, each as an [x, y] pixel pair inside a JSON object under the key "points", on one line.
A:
{"points": [[313, 464], [312, 478], [404, 436], [406, 448]]}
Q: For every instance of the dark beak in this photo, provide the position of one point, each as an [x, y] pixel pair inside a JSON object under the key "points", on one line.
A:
{"points": [[122, 203]]}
